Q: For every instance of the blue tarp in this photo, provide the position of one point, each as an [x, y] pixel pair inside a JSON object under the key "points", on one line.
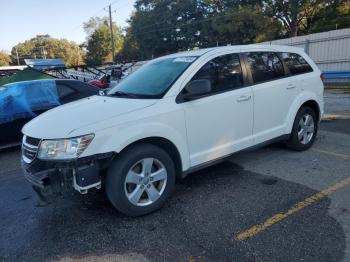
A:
{"points": [[19, 100]]}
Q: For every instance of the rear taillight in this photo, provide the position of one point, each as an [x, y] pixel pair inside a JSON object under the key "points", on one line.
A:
{"points": [[321, 76]]}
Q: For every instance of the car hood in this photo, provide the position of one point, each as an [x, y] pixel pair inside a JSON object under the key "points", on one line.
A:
{"points": [[61, 121]]}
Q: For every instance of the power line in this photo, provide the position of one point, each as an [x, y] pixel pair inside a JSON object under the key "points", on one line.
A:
{"points": [[172, 26], [79, 26], [98, 12], [113, 3], [157, 23], [154, 24], [121, 8], [184, 25]]}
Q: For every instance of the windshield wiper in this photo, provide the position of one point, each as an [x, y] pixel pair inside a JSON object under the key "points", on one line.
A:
{"points": [[131, 95], [123, 94]]}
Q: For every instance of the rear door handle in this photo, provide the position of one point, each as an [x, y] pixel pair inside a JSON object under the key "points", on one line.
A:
{"points": [[244, 98], [290, 86]]}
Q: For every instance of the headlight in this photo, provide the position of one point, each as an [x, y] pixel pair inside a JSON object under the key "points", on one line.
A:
{"points": [[64, 148]]}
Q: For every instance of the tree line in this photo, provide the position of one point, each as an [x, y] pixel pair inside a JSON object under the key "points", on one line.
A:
{"points": [[44, 46], [159, 27]]}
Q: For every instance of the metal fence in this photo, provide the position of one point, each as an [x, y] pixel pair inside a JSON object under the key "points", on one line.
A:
{"points": [[330, 50]]}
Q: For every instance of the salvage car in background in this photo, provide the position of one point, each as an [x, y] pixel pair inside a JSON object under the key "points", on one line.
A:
{"points": [[110, 80], [22, 101]]}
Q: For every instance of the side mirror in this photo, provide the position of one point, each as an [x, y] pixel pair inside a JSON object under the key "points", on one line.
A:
{"points": [[196, 89]]}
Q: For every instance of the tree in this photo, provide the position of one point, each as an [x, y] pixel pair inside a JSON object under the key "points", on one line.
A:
{"points": [[244, 25], [130, 50], [334, 16], [44, 46], [5, 59], [160, 27], [99, 47], [300, 16], [94, 23]]}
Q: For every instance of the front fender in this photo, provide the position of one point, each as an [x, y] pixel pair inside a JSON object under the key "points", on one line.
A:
{"points": [[298, 102], [116, 139]]}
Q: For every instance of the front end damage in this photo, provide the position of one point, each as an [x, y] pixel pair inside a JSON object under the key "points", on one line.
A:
{"points": [[50, 179]]}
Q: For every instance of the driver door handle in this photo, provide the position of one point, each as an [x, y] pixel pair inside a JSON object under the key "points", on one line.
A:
{"points": [[244, 98]]}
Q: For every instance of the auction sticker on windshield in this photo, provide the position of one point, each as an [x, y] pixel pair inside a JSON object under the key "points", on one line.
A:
{"points": [[186, 59]]}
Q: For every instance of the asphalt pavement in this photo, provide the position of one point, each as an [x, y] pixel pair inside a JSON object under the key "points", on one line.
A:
{"points": [[261, 205]]}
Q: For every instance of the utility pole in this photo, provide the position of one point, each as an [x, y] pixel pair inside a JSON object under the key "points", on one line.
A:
{"points": [[43, 52], [17, 56], [110, 25]]}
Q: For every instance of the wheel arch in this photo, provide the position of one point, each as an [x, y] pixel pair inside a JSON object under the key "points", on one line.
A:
{"points": [[314, 106], [165, 144], [305, 99]]}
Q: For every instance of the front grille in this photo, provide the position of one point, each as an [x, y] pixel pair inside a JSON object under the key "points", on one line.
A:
{"points": [[30, 147], [32, 141]]}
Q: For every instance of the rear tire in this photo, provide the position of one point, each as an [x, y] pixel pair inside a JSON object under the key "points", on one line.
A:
{"points": [[304, 129], [140, 180]]}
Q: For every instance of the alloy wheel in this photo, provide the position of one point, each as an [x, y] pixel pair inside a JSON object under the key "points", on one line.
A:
{"points": [[145, 182], [306, 129]]}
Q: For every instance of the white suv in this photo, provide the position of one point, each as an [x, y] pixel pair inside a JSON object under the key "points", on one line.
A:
{"points": [[174, 115]]}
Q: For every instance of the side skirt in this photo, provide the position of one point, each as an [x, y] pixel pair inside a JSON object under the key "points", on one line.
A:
{"points": [[223, 158]]}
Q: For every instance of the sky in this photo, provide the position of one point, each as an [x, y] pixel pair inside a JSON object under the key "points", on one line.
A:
{"points": [[21, 20]]}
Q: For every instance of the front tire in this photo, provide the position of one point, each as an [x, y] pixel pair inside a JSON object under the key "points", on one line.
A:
{"points": [[140, 180], [304, 129]]}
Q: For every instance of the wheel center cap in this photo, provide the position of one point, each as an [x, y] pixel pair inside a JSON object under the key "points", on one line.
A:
{"points": [[145, 181]]}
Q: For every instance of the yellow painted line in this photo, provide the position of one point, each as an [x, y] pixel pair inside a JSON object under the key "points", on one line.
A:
{"points": [[299, 206], [330, 153], [329, 117]]}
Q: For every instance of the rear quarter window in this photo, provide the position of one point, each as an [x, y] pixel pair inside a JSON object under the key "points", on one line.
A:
{"points": [[296, 63]]}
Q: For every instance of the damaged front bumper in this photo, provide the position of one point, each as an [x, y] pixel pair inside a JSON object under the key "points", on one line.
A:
{"points": [[50, 178]]}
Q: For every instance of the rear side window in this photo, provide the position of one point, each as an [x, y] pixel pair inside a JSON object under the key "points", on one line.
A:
{"points": [[224, 73], [296, 63], [265, 66]]}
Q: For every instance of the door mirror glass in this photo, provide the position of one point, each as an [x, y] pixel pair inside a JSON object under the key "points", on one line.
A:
{"points": [[197, 88]]}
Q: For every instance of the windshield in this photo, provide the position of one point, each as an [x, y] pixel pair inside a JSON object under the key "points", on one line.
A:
{"points": [[153, 79]]}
